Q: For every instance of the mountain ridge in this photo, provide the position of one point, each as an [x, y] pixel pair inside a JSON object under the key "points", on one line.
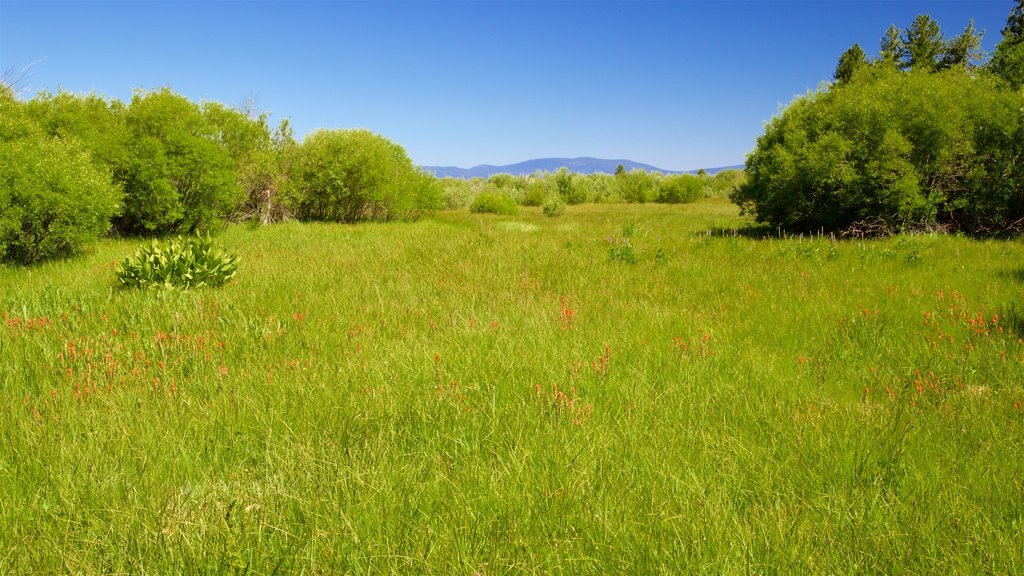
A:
{"points": [[581, 165]]}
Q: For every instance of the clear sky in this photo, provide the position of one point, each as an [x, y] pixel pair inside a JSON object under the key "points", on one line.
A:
{"points": [[680, 85]]}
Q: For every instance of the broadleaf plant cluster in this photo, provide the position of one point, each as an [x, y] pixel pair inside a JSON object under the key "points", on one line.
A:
{"points": [[190, 262]]}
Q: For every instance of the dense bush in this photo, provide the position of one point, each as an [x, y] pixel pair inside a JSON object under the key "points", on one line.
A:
{"points": [[53, 199], [354, 175], [178, 263], [176, 177], [494, 203], [901, 148], [554, 206], [636, 186], [456, 193], [681, 188], [97, 123]]}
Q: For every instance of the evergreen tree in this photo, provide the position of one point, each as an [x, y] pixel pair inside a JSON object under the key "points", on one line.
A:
{"points": [[851, 60], [892, 47], [963, 50], [1014, 31], [923, 45], [1008, 59]]}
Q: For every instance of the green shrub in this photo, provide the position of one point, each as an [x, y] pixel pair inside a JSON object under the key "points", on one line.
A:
{"points": [[621, 250], [680, 189], [537, 190], [176, 178], [636, 186], [455, 193], [53, 199], [554, 206], [192, 262], [355, 175], [567, 186], [904, 149], [494, 203]]}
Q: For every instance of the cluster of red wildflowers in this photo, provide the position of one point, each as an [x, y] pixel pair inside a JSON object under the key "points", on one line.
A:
{"points": [[563, 403], [697, 347], [567, 315]]}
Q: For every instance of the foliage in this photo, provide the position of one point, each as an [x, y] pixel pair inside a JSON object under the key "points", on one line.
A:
{"points": [[98, 124], [1008, 59], [554, 206], [355, 175], [494, 203], [456, 193], [725, 183], [192, 262], [53, 199], [567, 187], [636, 186], [907, 148], [177, 177], [681, 188], [851, 61]]}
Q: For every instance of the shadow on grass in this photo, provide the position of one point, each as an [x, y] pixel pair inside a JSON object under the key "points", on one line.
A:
{"points": [[762, 232], [749, 231], [1013, 318], [1017, 275]]}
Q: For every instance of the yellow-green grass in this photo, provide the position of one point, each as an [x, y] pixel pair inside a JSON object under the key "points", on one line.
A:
{"points": [[504, 395]]}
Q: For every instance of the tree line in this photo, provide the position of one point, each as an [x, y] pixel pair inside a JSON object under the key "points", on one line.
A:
{"points": [[74, 168], [927, 134]]}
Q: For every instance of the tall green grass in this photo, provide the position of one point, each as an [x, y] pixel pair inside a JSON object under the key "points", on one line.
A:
{"points": [[495, 395]]}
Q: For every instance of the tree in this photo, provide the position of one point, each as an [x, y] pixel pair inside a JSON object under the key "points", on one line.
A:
{"points": [[923, 44], [964, 50], [1014, 30], [851, 61], [891, 52], [1008, 60]]}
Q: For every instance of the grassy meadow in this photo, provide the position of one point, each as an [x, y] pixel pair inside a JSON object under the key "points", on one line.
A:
{"points": [[615, 391]]}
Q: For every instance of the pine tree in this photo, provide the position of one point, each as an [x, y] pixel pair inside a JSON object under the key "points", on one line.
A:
{"points": [[851, 60], [923, 44], [892, 47], [1008, 59], [963, 50]]}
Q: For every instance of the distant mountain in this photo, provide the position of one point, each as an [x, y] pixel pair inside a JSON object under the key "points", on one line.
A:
{"points": [[577, 165]]}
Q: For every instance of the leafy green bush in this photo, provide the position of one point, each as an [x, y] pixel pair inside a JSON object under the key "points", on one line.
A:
{"points": [[680, 189], [53, 199], [176, 177], [554, 206], [494, 203], [192, 262], [354, 175], [636, 186], [455, 193], [903, 148]]}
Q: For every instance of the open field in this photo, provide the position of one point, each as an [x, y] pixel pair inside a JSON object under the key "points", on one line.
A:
{"points": [[494, 395]]}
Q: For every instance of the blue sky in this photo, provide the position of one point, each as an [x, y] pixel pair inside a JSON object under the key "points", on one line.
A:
{"points": [[679, 85]]}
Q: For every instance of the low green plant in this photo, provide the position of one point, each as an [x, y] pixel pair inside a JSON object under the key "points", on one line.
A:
{"points": [[178, 263], [494, 203], [554, 206], [621, 250]]}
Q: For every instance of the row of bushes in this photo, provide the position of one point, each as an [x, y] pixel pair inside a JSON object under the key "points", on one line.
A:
{"points": [[634, 186], [74, 168]]}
